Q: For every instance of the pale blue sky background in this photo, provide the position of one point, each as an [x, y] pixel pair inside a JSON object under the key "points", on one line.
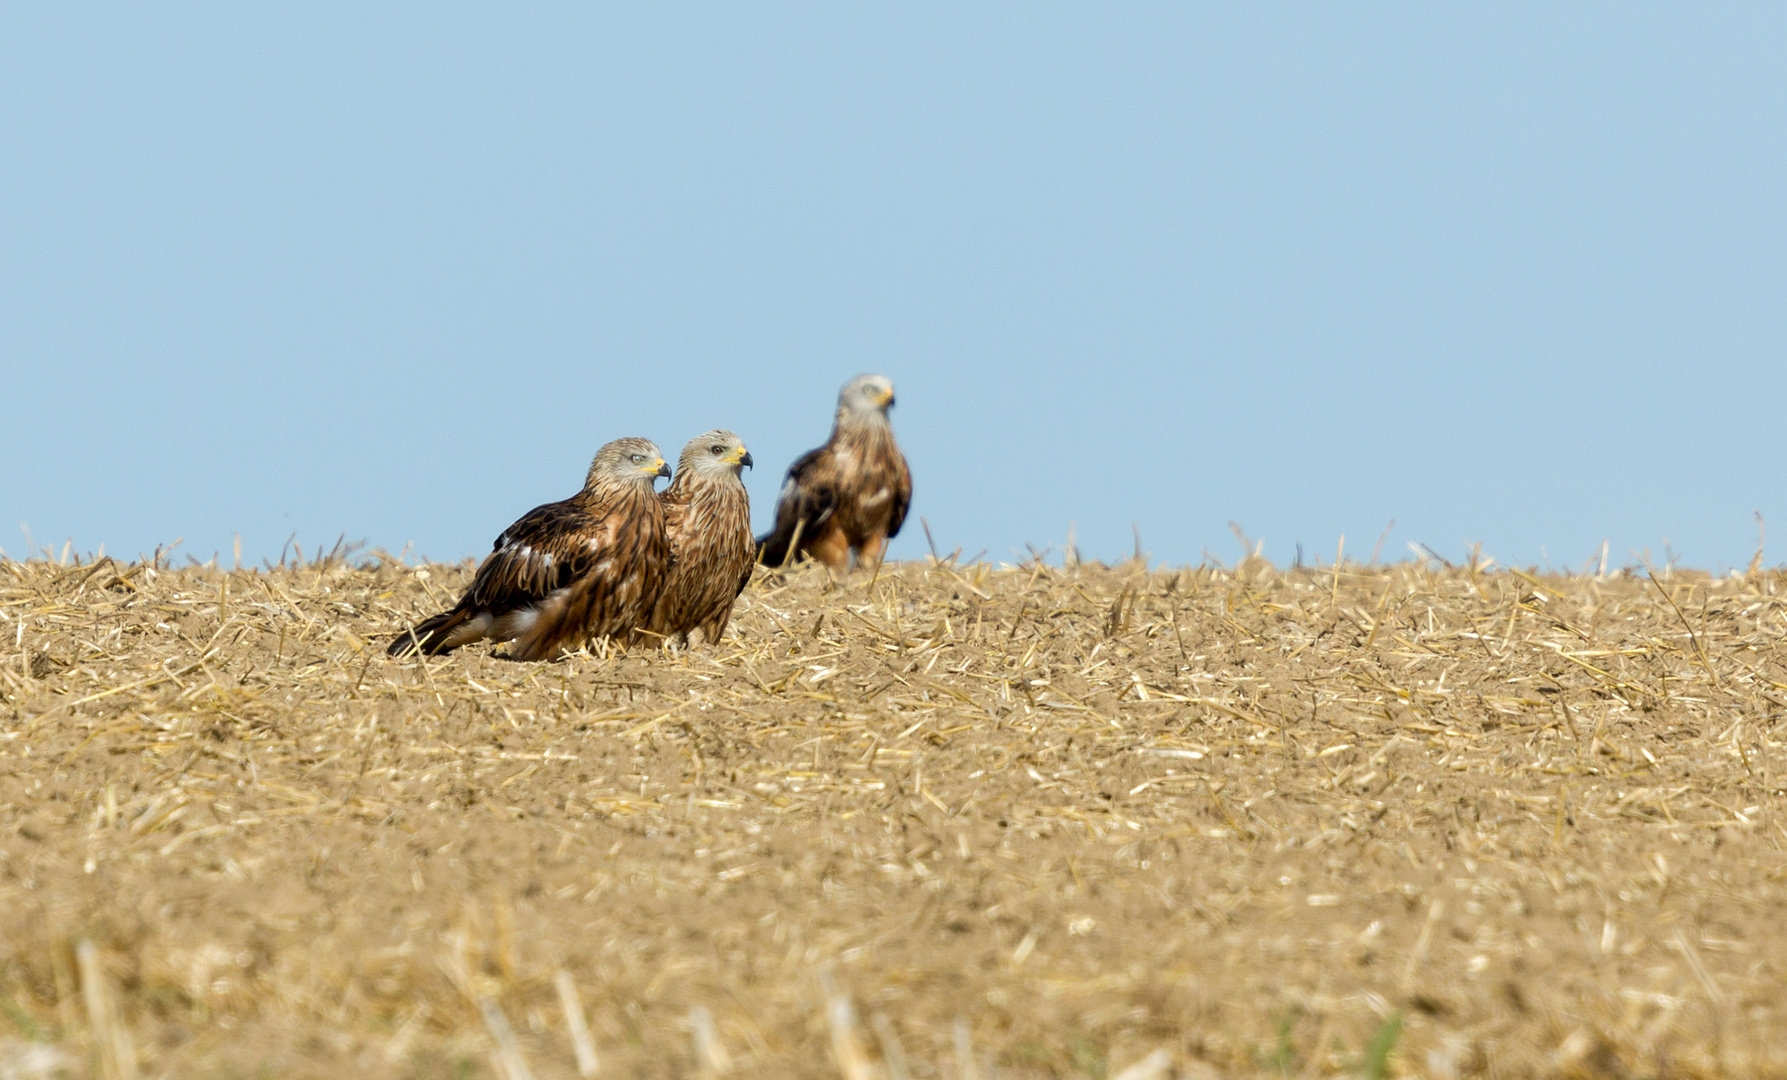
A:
{"points": [[1512, 274]]}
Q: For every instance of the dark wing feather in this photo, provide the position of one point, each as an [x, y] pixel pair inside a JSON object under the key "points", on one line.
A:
{"points": [[675, 502], [430, 635], [739, 526], [902, 496], [545, 551], [809, 497]]}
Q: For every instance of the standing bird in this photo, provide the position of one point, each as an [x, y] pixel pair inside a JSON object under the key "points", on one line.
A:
{"points": [[848, 496], [708, 515], [568, 572]]}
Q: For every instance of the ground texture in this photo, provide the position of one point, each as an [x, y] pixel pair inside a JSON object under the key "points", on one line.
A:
{"points": [[953, 821]]}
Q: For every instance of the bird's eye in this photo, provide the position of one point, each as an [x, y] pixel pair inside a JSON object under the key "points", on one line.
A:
{"points": [[638, 459], [718, 449]]}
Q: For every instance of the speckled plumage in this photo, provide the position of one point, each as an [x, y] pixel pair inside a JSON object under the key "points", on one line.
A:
{"points": [[708, 516], [569, 572], [850, 496]]}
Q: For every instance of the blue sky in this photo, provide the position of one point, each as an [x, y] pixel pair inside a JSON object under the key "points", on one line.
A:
{"points": [[1510, 275]]}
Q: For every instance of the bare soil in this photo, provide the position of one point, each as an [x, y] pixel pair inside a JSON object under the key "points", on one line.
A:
{"points": [[951, 822]]}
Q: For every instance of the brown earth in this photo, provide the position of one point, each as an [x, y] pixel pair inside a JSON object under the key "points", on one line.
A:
{"points": [[1020, 822]]}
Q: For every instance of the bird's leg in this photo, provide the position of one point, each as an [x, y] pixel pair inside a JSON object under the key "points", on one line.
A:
{"points": [[643, 639], [872, 549], [832, 548]]}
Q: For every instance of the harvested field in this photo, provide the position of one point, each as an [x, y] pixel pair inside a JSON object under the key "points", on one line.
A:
{"points": [[954, 822]]}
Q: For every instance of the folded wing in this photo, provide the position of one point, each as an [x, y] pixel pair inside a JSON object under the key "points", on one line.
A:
{"points": [[808, 499]]}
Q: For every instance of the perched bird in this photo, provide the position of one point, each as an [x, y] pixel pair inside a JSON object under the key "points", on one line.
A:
{"points": [[708, 515], [568, 572], [851, 494]]}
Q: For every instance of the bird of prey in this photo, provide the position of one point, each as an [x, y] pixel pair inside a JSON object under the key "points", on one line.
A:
{"points": [[568, 572], [708, 515], [851, 494]]}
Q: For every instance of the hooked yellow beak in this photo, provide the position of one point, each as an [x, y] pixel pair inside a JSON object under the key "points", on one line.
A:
{"points": [[887, 400], [660, 469], [744, 457]]}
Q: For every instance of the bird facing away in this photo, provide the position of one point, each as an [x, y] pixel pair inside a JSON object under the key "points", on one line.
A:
{"points": [[708, 516], [848, 496], [568, 572]]}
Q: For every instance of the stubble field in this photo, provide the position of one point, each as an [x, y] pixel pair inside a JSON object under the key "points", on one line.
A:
{"points": [[957, 821]]}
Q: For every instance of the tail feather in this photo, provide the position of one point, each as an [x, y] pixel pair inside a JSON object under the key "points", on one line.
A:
{"points": [[774, 547], [798, 524], [430, 635]]}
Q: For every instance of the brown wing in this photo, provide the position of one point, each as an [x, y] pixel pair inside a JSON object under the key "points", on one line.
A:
{"points": [[902, 493], [675, 502], [734, 524], [547, 550], [744, 577], [621, 566], [809, 497]]}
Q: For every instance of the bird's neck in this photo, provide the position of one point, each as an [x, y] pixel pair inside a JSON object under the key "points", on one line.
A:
{"points": [[688, 481], [872, 424], [601, 490]]}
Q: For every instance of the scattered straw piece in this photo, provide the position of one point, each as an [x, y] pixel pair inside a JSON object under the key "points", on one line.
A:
{"points": [[117, 1058], [893, 1053], [966, 1067], [581, 1042], [711, 1057], [1156, 1066], [507, 1056], [399, 1046], [846, 1048]]}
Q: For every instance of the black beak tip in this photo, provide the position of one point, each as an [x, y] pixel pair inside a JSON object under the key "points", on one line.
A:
{"points": [[664, 470], [746, 459]]}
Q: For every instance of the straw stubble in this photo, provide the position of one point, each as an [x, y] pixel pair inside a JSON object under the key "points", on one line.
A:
{"points": [[1043, 820]]}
